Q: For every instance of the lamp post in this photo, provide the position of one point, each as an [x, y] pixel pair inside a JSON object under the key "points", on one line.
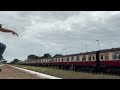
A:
{"points": [[86, 48], [61, 51], [65, 51], [98, 44]]}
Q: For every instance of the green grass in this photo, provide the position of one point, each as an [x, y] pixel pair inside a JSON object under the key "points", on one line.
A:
{"points": [[68, 74]]}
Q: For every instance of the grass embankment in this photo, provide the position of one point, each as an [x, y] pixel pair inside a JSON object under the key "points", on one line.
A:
{"points": [[68, 74]]}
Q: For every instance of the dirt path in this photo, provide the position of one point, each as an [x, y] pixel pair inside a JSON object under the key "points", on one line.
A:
{"points": [[9, 72]]}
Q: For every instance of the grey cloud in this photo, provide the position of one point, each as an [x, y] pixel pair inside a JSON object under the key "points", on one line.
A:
{"points": [[52, 31]]}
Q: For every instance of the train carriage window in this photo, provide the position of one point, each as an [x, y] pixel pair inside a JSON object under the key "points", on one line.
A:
{"points": [[83, 58], [116, 55], [72, 59], [90, 58], [101, 56], [93, 57], [62, 59], [77, 58], [67, 58], [106, 56], [52, 60], [56, 60], [59, 59]]}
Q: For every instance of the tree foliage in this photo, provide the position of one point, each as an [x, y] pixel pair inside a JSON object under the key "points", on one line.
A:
{"points": [[14, 61], [33, 57], [47, 55]]}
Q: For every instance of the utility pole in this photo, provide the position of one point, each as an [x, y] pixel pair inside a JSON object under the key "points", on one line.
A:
{"points": [[65, 51], [61, 51], [98, 44], [86, 48]]}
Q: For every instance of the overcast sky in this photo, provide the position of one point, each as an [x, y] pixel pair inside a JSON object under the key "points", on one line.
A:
{"points": [[43, 32]]}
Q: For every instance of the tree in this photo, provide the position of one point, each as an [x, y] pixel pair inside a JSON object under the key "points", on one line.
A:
{"points": [[57, 55], [4, 62], [33, 57], [47, 55], [14, 61]]}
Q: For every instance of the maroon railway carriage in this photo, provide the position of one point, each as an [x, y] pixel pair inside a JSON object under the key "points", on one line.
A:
{"points": [[110, 59], [107, 59]]}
